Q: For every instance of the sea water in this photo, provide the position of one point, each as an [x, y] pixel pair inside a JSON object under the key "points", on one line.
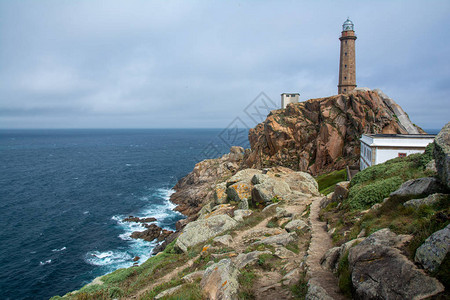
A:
{"points": [[64, 194]]}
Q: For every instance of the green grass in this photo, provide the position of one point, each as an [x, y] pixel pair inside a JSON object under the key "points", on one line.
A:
{"points": [[300, 289], [327, 182], [246, 280]]}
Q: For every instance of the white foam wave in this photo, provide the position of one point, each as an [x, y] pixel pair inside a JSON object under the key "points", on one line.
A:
{"points": [[98, 258], [58, 250], [45, 262], [122, 258]]}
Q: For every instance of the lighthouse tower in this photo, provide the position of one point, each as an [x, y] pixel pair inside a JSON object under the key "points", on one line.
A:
{"points": [[347, 77]]}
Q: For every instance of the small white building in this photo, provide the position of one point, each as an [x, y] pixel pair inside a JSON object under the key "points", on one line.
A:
{"points": [[378, 148], [287, 98]]}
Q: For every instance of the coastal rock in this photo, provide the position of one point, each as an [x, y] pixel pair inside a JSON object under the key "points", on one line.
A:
{"points": [[270, 189], [441, 154], [433, 251], [223, 240], [430, 200], [312, 135], [198, 187], [239, 191], [220, 195], [380, 271], [244, 176], [167, 241], [201, 230], [431, 166], [331, 258], [220, 281], [326, 200], [164, 234], [240, 214], [341, 191], [316, 292], [245, 259], [138, 220], [279, 239], [417, 187], [296, 225], [152, 232]]}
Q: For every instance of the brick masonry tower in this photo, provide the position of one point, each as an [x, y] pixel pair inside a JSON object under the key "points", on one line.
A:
{"points": [[347, 76]]}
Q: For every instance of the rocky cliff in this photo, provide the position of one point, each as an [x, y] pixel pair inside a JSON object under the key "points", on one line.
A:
{"points": [[320, 135]]}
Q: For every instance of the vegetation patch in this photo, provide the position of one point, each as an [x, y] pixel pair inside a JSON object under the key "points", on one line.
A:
{"points": [[344, 276], [246, 281], [327, 182], [300, 289]]}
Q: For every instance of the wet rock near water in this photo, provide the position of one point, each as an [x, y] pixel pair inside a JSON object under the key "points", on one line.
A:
{"points": [[152, 232], [138, 220]]}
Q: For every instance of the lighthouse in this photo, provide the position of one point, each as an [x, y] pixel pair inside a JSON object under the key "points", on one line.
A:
{"points": [[347, 74]]}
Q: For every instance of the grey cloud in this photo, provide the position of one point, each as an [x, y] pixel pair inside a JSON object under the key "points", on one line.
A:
{"points": [[198, 64]]}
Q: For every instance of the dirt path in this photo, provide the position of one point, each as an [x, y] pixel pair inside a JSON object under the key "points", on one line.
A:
{"points": [[320, 243]]}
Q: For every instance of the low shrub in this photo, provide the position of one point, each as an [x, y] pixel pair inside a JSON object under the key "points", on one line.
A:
{"points": [[364, 196]]}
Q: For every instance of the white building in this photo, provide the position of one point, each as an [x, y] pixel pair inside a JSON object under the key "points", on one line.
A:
{"points": [[378, 148], [287, 98]]}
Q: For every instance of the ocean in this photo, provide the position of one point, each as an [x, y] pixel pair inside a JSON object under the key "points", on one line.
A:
{"points": [[64, 194]]}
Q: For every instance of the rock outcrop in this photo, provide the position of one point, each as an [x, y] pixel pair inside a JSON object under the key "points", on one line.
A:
{"points": [[198, 187], [320, 135], [220, 280], [201, 230], [152, 232], [433, 251], [380, 271], [417, 187], [442, 154]]}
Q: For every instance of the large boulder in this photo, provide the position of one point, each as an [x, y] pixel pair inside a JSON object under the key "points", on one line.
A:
{"points": [[441, 154], [341, 191], [433, 251], [245, 175], [245, 259], [279, 239], [316, 292], [417, 187], [239, 191], [330, 259], [270, 189], [152, 232], [201, 230], [380, 271], [300, 182], [296, 225], [220, 195], [429, 200], [220, 281]]}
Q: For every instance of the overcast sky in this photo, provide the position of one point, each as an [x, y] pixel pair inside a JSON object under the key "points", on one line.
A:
{"points": [[153, 64]]}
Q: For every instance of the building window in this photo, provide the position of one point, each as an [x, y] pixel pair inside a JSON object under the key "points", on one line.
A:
{"points": [[402, 155], [345, 53], [345, 66], [345, 77], [345, 90]]}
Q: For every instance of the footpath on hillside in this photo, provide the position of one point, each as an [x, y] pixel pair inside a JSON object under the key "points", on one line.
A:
{"points": [[320, 243]]}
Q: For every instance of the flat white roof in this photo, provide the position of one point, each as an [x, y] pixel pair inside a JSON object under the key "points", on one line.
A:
{"points": [[397, 140]]}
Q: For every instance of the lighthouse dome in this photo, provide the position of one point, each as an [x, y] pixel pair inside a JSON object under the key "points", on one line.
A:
{"points": [[348, 25]]}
